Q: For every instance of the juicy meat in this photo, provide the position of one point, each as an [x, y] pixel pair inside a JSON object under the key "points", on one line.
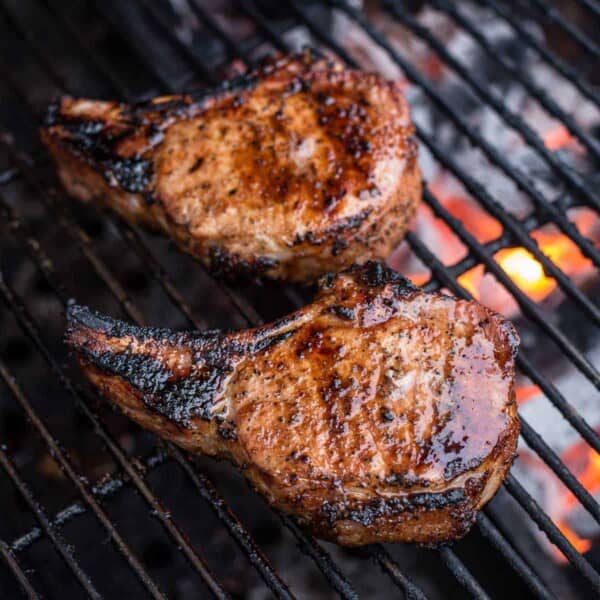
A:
{"points": [[376, 413], [292, 170]]}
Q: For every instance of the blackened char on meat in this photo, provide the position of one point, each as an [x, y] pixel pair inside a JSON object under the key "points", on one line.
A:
{"points": [[376, 413], [297, 168]]}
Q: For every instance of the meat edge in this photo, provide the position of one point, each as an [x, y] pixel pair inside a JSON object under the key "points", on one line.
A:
{"points": [[370, 235], [424, 517]]}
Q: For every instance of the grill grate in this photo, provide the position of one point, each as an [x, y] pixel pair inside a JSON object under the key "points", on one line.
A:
{"points": [[28, 168]]}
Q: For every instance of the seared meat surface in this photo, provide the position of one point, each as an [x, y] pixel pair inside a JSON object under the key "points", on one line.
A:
{"points": [[292, 170], [376, 413]]}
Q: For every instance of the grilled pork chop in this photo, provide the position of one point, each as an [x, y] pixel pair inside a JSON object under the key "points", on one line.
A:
{"points": [[292, 170], [376, 413]]}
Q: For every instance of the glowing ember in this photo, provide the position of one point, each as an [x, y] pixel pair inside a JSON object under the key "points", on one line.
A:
{"points": [[580, 544], [527, 272], [558, 137], [522, 268], [585, 461], [526, 392], [589, 478], [419, 279], [433, 66], [477, 221]]}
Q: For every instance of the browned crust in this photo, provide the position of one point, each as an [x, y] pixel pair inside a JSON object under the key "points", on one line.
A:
{"points": [[121, 167], [343, 506]]}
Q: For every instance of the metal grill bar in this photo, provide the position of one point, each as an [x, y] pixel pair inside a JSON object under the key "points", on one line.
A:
{"points": [[135, 241], [450, 558], [257, 558], [308, 542], [552, 15], [591, 6], [580, 361], [551, 530], [462, 574], [470, 579], [522, 182], [151, 10], [34, 506], [309, 546], [103, 489], [15, 568], [519, 75], [525, 365], [509, 117], [562, 67], [248, 8], [391, 568], [165, 29], [521, 495], [536, 442], [531, 578], [233, 48]]}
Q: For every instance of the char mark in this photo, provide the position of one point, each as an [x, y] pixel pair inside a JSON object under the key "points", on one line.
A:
{"points": [[342, 312], [79, 316], [346, 225], [367, 513], [374, 274], [179, 397], [231, 267], [91, 141]]}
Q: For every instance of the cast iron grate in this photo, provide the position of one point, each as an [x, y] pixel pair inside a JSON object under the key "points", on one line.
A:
{"points": [[38, 218]]}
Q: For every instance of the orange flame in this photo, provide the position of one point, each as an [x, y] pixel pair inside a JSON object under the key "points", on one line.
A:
{"points": [[526, 271]]}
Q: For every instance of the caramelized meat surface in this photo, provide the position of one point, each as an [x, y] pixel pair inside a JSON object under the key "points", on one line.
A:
{"points": [[292, 170], [376, 413]]}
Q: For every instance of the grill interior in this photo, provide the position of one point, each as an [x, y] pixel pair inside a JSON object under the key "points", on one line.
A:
{"points": [[92, 504]]}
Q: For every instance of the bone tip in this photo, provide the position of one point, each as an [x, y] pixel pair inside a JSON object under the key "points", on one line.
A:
{"points": [[79, 316]]}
